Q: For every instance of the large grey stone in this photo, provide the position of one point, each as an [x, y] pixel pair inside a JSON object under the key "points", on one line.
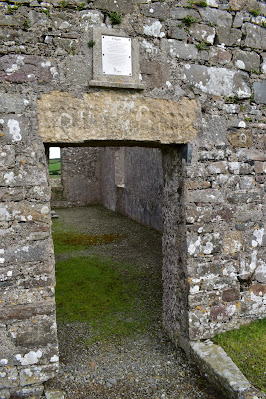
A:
{"points": [[180, 13], [247, 61], [13, 128], [219, 368], [12, 102], [156, 10], [239, 20], [26, 68], [217, 81], [78, 70], [260, 92], [177, 32], [202, 32], [9, 20], [263, 65], [217, 17], [228, 37], [121, 6], [255, 36], [185, 51]]}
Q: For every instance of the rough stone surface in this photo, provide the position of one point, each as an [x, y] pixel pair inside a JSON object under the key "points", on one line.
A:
{"points": [[255, 36], [248, 61], [61, 121], [228, 37], [216, 17], [213, 360], [201, 100], [217, 81], [260, 92]]}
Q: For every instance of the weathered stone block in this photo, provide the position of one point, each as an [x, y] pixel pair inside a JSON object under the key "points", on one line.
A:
{"points": [[26, 68], [179, 33], [204, 244], [255, 36], [13, 128], [156, 10], [153, 28], [217, 167], [180, 13], [7, 156], [231, 295], [263, 65], [217, 17], [179, 49], [217, 81], [202, 33], [69, 45], [260, 92], [260, 167], [115, 116], [220, 55], [77, 70], [238, 20], [232, 242], [228, 37], [32, 392], [208, 195], [10, 20], [26, 253], [27, 175], [36, 333], [241, 198], [22, 312], [8, 377], [155, 73], [122, 6], [237, 5], [13, 103], [37, 374], [241, 138], [247, 61]]}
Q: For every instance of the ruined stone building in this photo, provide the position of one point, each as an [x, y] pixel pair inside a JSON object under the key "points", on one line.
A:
{"points": [[189, 105]]}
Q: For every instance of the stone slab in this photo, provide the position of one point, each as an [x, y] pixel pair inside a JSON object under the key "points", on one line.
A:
{"points": [[255, 36], [218, 81], [260, 92], [221, 371], [115, 116], [54, 394]]}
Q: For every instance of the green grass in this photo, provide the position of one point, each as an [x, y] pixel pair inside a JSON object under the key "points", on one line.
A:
{"points": [[55, 167], [247, 347], [115, 299]]}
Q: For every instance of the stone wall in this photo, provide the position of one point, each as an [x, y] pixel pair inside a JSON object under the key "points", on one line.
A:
{"points": [[204, 74], [81, 175], [132, 183], [127, 180]]}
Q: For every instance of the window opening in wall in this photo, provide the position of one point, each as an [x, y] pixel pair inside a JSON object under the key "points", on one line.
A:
{"points": [[55, 162]]}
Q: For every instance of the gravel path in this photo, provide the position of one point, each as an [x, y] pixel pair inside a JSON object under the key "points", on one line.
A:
{"points": [[147, 366]]}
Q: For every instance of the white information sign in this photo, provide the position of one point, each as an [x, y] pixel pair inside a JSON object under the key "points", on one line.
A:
{"points": [[116, 55]]}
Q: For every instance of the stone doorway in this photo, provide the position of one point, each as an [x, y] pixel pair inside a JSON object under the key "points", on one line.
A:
{"points": [[171, 222]]}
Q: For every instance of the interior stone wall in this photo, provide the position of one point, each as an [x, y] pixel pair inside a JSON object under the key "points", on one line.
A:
{"points": [[127, 180], [203, 69]]}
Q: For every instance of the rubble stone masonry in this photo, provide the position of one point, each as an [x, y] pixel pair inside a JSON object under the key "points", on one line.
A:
{"points": [[203, 69]]}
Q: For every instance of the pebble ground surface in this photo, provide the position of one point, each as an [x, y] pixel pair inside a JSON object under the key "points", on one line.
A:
{"points": [[146, 366]]}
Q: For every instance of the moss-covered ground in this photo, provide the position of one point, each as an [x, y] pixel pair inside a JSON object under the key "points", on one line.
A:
{"points": [[116, 298]]}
